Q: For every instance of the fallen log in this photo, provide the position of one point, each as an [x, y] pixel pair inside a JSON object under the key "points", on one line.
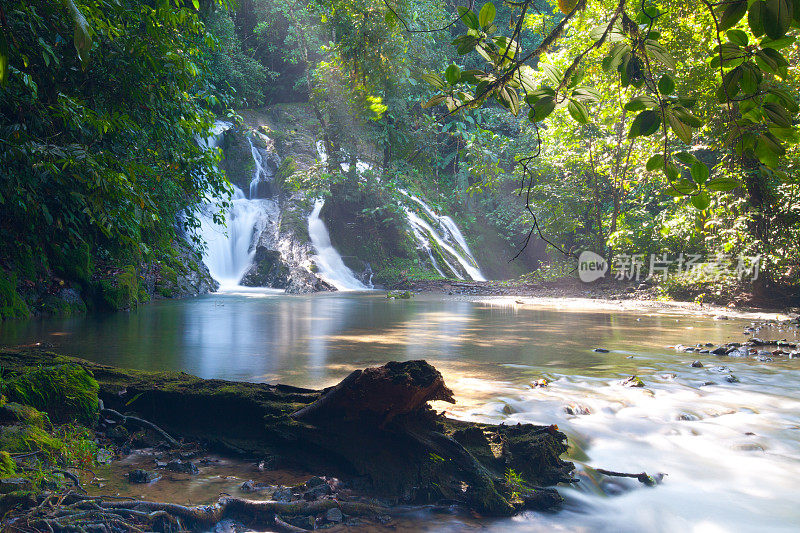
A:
{"points": [[375, 427]]}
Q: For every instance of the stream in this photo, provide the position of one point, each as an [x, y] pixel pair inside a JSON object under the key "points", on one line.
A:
{"points": [[730, 450]]}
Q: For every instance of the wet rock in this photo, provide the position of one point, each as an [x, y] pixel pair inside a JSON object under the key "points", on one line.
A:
{"points": [[283, 494], [334, 515], [794, 355], [721, 350], [184, 467], [316, 492], [697, 364], [721, 317], [601, 350], [269, 269], [707, 383], [119, 434], [748, 447], [688, 417], [539, 383], [13, 484], [764, 359], [140, 476], [732, 379], [632, 381], [755, 341], [251, 486], [577, 409]]}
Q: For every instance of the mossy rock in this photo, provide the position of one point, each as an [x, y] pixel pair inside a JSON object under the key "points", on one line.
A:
{"points": [[67, 392], [21, 438], [73, 261], [14, 413], [122, 291], [11, 303], [8, 467]]}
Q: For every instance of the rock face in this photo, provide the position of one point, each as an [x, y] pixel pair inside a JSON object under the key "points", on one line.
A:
{"points": [[269, 269]]}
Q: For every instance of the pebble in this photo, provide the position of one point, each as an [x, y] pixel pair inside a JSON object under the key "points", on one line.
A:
{"points": [[601, 350], [697, 364]]}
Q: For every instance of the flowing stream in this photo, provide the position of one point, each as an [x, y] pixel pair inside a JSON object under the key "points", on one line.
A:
{"points": [[731, 450]]}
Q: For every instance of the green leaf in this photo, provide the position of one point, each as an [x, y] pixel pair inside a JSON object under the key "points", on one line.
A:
{"points": [[778, 44], [778, 18], [434, 79], [578, 111], [672, 172], [666, 85], [468, 17], [682, 130], [699, 172], [687, 117], [433, 102], [738, 37], [756, 17], [723, 184], [83, 33], [684, 186], [196, 4], [452, 74], [641, 102], [552, 73], [701, 201], [486, 14], [588, 95], [732, 14], [686, 158], [3, 59], [646, 123], [777, 114], [655, 162], [542, 108]]}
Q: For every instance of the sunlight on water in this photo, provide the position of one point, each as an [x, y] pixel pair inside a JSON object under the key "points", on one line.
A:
{"points": [[730, 451]]}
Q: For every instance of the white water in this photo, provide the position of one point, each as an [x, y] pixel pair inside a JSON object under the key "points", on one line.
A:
{"points": [[447, 236], [331, 267], [230, 247]]}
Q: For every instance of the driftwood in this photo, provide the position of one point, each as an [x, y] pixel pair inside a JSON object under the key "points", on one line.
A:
{"points": [[375, 429]]}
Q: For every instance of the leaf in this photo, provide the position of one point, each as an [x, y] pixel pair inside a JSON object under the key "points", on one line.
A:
{"points": [[542, 108], [686, 117], [587, 95], [468, 17], [646, 123], [732, 14], [756, 16], [685, 186], [660, 53], [686, 158], [615, 56], [639, 103], [552, 73], [778, 44], [738, 37], [671, 171], [699, 172], [701, 201], [452, 74], [486, 14], [566, 6], [433, 102], [778, 18], [682, 130], [3, 59], [578, 111], [655, 162], [83, 33], [666, 85], [434, 79], [723, 184], [777, 114], [196, 4]]}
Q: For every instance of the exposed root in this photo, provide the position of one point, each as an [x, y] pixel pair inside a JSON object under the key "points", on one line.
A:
{"points": [[125, 419], [644, 477]]}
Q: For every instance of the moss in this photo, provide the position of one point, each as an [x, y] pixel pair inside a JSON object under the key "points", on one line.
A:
{"points": [[73, 262], [8, 467], [20, 438], [65, 392], [122, 291], [11, 303], [57, 305], [13, 412]]}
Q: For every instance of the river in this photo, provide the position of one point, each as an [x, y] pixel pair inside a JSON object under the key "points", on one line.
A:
{"points": [[730, 451]]}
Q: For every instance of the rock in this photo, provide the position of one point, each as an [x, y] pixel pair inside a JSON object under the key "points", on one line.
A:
{"points": [[732, 379], [316, 492], [632, 381], [764, 359], [697, 364], [539, 383], [577, 409], [334, 515], [707, 383], [315, 482], [721, 317], [756, 342], [139, 476], [722, 350], [302, 281], [283, 494], [269, 269], [601, 350], [184, 467], [13, 484]]}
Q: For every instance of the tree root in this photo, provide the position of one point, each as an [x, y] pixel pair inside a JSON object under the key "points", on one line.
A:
{"points": [[125, 419], [644, 477]]}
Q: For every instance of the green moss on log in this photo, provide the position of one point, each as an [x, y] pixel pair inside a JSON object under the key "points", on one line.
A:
{"points": [[66, 392]]}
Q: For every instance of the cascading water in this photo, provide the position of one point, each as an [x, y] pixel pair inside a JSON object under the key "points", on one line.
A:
{"points": [[230, 247], [447, 236], [331, 267]]}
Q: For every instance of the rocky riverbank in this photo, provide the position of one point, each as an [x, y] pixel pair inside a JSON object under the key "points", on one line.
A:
{"points": [[322, 457]]}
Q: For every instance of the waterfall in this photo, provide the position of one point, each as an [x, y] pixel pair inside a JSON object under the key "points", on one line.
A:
{"points": [[230, 246], [447, 236], [331, 267]]}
